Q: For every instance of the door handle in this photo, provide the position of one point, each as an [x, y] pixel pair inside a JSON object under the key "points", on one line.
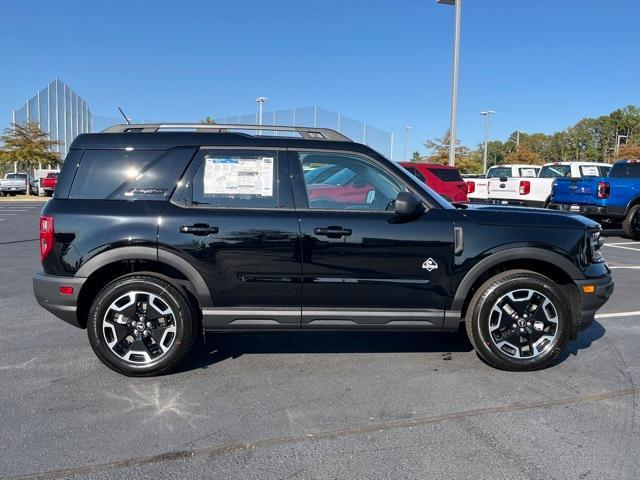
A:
{"points": [[333, 232], [201, 229]]}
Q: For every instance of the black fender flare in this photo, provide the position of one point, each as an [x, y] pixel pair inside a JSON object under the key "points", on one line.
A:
{"points": [[634, 201], [510, 254], [153, 254]]}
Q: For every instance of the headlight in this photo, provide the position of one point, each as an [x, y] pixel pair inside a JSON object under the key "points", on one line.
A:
{"points": [[594, 244]]}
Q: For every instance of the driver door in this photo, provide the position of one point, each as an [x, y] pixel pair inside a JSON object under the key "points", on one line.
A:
{"points": [[363, 265]]}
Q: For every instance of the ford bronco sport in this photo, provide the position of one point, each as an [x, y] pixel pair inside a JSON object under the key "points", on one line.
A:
{"points": [[157, 233]]}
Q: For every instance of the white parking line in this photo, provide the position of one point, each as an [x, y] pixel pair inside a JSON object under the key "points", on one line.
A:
{"points": [[14, 210], [613, 267], [620, 246], [620, 314], [623, 243]]}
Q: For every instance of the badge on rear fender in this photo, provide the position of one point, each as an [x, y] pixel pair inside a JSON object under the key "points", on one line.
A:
{"points": [[430, 264]]}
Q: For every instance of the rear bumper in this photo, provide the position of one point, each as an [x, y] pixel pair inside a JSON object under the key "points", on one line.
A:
{"points": [[591, 302], [587, 210], [517, 203], [46, 288]]}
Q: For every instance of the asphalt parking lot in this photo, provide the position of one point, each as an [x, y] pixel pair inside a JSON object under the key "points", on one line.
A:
{"points": [[314, 405]]}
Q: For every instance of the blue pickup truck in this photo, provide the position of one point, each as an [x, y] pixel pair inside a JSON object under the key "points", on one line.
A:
{"points": [[609, 199]]}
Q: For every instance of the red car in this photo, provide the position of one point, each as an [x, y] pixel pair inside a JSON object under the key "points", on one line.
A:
{"points": [[49, 183], [444, 179]]}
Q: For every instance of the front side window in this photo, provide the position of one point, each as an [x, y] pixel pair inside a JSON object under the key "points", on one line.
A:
{"points": [[236, 179], [360, 184]]}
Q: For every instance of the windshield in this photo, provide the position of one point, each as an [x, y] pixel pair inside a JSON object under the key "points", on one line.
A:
{"points": [[555, 171]]}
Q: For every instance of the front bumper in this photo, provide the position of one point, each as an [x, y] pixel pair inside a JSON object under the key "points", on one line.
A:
{"points": [[47, 291], [591, 302]]}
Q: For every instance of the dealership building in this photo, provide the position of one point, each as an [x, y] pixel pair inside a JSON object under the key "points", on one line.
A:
{"points": [[59, 111]]}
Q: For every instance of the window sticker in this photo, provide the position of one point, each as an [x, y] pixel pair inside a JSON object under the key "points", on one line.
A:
{"points": [[238, 176], [527, 172], [590, 171]]}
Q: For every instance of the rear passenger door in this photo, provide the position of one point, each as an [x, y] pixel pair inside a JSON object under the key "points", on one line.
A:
{"points": [[232, 218]]}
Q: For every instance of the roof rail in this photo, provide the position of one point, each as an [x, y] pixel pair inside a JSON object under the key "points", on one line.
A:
{"points": [[309, 133]]}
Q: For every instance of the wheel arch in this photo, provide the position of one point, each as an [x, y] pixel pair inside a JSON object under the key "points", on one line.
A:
{"points": [[548, 263], [632, 203], [105, 267]]}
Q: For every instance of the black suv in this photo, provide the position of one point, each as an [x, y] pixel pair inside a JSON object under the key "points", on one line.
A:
{"points": [[157, 233]]}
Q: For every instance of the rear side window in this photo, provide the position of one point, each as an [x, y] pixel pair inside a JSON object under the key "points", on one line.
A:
{"points": [[528, 172], [447, 174], [622, 170], [129, 174], [593, 171], [416, 173], [236, 179]]}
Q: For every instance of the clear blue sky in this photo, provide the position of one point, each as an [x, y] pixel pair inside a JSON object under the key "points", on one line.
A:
{"points": [[542, 64]]}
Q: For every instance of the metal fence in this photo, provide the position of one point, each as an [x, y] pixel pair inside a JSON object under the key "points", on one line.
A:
{"points": [[59, 111], [319, 117]]}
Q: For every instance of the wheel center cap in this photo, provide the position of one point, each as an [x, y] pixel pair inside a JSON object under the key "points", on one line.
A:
{"points": [[140, 326], [521, 323]]}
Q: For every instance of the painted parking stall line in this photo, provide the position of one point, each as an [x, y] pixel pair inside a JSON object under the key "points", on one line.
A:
{"points": [[618, 315]]}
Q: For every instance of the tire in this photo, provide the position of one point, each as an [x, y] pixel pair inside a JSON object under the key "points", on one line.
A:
{"points": [[168, 332], [631, 223], [536, 339]]}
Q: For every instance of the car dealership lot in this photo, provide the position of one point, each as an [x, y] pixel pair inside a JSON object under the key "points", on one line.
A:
{"points": [[313, 405]]}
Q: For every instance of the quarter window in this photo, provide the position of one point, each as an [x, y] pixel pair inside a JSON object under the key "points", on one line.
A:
{"points": [[358, 183]]}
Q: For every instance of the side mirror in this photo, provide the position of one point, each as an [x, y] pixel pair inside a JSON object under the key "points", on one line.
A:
{"points": [[408, 204]]}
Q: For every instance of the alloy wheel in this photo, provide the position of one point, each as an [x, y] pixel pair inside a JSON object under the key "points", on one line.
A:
{"points": [[523, 323], [139, 327]]}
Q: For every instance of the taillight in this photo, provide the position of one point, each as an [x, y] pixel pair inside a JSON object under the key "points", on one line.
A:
{"points": [[471, 187], [604, 190], [46, 236], [525, 187]]}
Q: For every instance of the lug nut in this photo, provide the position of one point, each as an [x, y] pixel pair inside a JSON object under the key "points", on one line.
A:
{"points": [[514, 325], [149, 325], [528, 324], [522, 329]]}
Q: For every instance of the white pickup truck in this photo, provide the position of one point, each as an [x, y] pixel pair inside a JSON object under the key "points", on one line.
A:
{"points": [[536, 192], [14, 183], [478, 188]]}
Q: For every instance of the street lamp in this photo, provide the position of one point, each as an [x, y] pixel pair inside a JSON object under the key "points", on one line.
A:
{"points": [[486, 116], [454, 80], [406, 139], [261, 101]]}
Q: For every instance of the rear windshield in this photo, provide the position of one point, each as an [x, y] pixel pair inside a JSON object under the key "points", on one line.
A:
{"points": [[21, 176], [497, 172], [622, 170], [555, 171], [447, 174]]}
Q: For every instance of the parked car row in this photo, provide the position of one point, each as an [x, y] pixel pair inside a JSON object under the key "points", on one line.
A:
{"points": [[22, 183]]}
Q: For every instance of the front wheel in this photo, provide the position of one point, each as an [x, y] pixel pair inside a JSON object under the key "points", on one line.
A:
{"points": [[141, 325], [631, 223], [519, 320]]}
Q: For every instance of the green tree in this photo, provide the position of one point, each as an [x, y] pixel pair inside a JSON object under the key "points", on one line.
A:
{"points": [[415, 157], [208, 121], [440, 148], [27, 145]]}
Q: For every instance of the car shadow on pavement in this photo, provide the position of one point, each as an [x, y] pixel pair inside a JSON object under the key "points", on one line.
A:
{"points": [[219, 347], [585, 339]]}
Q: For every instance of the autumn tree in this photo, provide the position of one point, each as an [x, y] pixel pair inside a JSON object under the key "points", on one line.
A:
{"points": [[28, 145], [628, 151], [440, 148], [524, 155]]}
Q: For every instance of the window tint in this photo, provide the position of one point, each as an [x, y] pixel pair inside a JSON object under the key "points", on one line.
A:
{"points": [[447, 174], [68, 171], [368, 187], [555, 171], [604, 171], [416, 173], [231, 179], [621, 170], [128, 175], [103, 173], [20, 176]]}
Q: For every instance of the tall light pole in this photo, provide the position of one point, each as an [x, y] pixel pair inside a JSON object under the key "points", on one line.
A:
{"points": [[406, 139], [486, 116], [454, 80], [261, 101]]}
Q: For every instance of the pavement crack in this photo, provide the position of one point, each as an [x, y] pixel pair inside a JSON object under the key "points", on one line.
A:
{"points": [[230, 448]]}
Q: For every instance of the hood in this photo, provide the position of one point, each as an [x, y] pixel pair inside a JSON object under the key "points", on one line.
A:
{"points": [[525, 217]]}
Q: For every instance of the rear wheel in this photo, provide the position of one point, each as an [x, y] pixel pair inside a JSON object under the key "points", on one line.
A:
{"points": [[519, 320], [141, 325], [631, 223]]}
